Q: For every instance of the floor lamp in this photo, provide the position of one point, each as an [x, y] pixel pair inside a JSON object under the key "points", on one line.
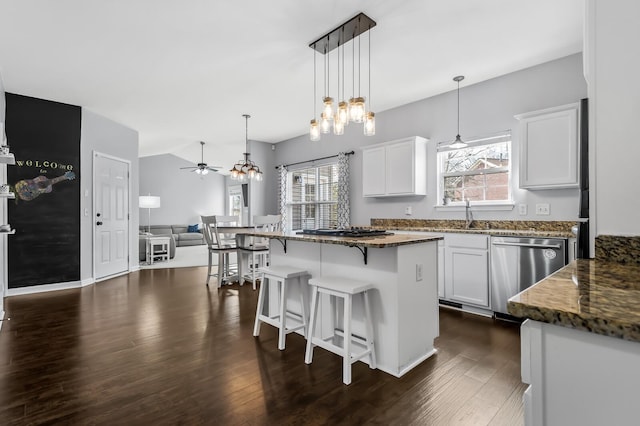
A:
{"points": [[149, 202]]}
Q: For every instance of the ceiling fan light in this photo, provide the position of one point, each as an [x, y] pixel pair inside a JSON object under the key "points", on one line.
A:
{"points": [[204, 171]]}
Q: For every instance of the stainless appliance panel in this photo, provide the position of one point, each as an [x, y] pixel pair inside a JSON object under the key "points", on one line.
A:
{"points": [[518, 263]]}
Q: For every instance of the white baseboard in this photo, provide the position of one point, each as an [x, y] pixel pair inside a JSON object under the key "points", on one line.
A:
{"points": [[1, 318], [57, 286], [43, 288]]}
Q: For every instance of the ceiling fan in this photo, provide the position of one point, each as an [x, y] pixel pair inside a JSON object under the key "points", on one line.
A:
{"points": [[202, 168]]}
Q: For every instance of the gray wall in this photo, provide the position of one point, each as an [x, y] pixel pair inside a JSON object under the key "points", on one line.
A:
{"points": [[184, 195], [107, 137], [262, 202], [485, 108]]}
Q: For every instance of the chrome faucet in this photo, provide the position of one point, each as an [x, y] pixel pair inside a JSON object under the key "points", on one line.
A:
{"points": [[468, 215]]}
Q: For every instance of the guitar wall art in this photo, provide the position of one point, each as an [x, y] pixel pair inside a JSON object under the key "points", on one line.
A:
{"points": [[30, 189]]}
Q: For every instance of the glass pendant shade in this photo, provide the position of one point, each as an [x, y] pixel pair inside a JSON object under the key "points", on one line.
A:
{"points": [[204, 171], [259, 177], [458, 143], [370, 124], [314, 130], [328, 107], [325, 124], [356, 109], [338, 127], [343, 113]]}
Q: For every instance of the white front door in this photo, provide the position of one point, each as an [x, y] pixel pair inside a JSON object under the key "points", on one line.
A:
{"points": [[111, 215]]}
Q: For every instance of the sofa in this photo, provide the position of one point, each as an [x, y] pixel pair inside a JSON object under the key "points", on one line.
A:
{"points": [[179, 237]]}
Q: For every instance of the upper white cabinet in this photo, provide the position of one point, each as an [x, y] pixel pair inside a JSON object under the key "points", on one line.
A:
{"points": [[549, 148], [396, 168]]}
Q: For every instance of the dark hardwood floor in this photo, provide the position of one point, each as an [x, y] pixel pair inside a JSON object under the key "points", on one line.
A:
{"points": [[158, 347]]}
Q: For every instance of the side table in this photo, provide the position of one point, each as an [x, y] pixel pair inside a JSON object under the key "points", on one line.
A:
{"points": [[157, 247]]}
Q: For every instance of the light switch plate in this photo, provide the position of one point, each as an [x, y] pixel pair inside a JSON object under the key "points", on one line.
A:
{"points": [[522, 209], [418, 271]]}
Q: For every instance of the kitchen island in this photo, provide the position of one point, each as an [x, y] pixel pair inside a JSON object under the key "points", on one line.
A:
{"points": [[404, 300], [581, 344]]}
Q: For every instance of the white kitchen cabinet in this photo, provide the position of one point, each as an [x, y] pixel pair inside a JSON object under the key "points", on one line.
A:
{"points": [[396, 168], [577, 377], [549, 148], [466, 266], [373, 172]]}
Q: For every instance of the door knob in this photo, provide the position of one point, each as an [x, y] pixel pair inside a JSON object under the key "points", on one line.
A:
{"points": [[98, 223]]}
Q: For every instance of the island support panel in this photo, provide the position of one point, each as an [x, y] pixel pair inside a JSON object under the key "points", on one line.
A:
{"points": [[404, 308]]}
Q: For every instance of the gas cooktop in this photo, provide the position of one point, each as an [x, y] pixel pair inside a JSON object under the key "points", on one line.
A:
{"points": [[349, 232]]}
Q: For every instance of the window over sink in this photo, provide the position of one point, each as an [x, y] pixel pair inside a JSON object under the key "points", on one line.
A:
{"points": [[479, 172]]}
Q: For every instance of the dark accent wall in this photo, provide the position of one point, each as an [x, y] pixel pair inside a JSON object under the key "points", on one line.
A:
{"points": [[45, 139]]}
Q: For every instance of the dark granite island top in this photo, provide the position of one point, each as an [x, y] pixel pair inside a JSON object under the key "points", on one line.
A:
{"points": [[598, 296], [379, 241]]}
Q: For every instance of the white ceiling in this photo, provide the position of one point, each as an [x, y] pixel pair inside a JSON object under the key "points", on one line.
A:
{"points": [[181, 72]]}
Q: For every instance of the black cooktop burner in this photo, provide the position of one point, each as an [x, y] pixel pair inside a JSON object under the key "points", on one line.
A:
{"points": [[349, 232]]}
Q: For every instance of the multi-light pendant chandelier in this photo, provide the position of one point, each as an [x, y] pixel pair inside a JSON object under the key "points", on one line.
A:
{"points": [[355, 110], [246, 169]]}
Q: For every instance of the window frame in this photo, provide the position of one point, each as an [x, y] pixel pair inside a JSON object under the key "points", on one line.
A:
{"points": [[444, 147], [317, 202]]}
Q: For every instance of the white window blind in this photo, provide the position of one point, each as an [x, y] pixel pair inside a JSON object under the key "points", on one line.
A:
{"points": [[312, 198]]}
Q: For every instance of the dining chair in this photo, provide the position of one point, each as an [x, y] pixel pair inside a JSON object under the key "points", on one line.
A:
{"points": [[257, 248], [222, 243]]}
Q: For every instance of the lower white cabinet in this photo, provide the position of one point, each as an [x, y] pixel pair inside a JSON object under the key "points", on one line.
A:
{"points": [[466, 269]]}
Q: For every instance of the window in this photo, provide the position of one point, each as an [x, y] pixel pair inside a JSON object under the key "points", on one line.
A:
{"points": [[480, 172], [312, 198]]}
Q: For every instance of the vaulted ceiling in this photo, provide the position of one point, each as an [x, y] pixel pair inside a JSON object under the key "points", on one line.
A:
{"points": [[183, 72]]}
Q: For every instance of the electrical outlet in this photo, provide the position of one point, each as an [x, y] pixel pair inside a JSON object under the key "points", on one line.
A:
{"points": [[542, 209], [419, 272], [408, 210], [522, 209]]}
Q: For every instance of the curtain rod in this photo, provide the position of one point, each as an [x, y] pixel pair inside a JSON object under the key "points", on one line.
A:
{"points": [[315, 159]]}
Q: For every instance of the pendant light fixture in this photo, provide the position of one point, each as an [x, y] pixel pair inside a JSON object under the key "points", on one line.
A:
{"points": [[370, 117], [246, 169], [344, 112], [458, 143], [314, 129]]}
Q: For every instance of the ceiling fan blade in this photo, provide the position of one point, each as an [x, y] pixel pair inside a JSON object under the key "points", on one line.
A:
{"points": [[184, 168]]}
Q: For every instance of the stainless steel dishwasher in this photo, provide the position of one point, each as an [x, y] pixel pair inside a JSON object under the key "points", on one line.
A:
{"points": [[517, 263]]}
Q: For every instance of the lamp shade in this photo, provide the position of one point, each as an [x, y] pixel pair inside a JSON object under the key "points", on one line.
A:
{"points": [[149, 202]]}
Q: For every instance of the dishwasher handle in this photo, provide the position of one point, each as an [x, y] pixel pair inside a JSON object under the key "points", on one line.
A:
{"points": [[531, 245]]}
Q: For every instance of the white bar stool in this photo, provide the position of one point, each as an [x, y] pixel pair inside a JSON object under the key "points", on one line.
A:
{"points": [[285, 321], [344, 288]]}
